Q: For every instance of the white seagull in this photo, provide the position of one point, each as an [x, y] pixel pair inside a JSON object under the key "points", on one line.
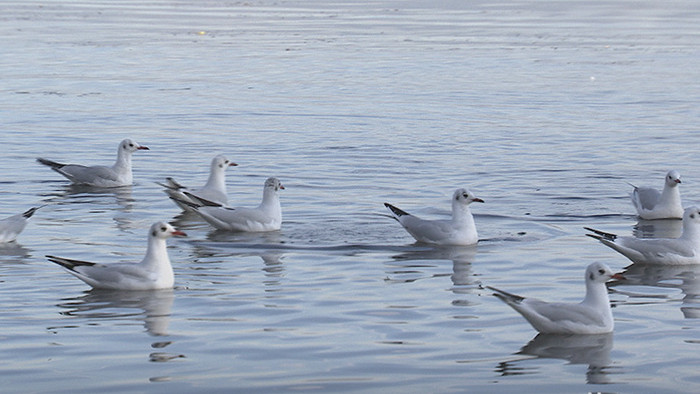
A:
{"points": [[153, 272], [652, 204], [214, 190], [460, 230], [10, 227], [667, 251], [265, 217], [100, 176], [590, 316]]}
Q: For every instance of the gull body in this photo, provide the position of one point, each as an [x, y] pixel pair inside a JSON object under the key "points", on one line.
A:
{"points": [[214, 190], [153, 272], [459, 230], [652, 204], [116, 175], [10, 227], [591, 316], [265, 217], [669, 251]]}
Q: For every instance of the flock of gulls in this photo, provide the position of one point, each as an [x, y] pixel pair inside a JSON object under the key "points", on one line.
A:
{"points": [[593, 315]]}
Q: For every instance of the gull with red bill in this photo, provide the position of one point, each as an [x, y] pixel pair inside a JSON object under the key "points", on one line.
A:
{"points": [[591, 316], [117, 175], [214, 190], [152, 273], [652, 204], [459, 230]]}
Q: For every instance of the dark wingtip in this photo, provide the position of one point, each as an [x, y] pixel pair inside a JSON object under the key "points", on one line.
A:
{"points": [[30, 212], [396, 211]]}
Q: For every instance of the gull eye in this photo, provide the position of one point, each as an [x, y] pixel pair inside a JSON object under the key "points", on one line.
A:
{"points": [[601, 271], [163, 229]]}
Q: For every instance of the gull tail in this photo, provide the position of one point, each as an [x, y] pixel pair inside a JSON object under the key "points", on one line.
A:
{"points": [[601, 235], [203, 201], [396, 211], [50, 163], [68, 264], [30, 212], [190, 204], [171, 184], [505, 296]]}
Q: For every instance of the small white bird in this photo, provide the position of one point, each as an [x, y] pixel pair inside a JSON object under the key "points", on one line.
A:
{"points": [[100, 176], [652, 204], [265, 217], [10, 227], [669, 251], [590, 316], [153, 272], [460, 230], [214, 190]]}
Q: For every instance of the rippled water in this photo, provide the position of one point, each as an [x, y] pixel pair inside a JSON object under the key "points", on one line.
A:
{"points": [[545, 110]]}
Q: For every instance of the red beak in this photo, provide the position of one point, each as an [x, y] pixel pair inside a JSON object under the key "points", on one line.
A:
{"points": [[143, 148], [179, 233], [618, 276], [478, 200], [232, 164]]}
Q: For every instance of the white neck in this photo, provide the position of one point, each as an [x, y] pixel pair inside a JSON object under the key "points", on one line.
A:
{"points": [[671, 195], [216, 180]]}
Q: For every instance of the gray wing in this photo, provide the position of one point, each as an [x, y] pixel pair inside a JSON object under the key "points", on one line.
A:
{"points": [[87, 175], [645, 197]]}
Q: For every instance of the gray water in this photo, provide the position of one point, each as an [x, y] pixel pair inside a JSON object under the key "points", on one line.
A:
{"points": [[543, 109]]}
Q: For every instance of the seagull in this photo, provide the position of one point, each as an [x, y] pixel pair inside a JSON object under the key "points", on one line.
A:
{"points": [[460, 230], [651, 204], [100, 176], [590, 316], [265, 217], [668, 251], [214, 190], [153, 272], [10, 227]]}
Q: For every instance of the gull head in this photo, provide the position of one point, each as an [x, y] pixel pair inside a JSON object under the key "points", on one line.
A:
{"points": [[673, 178], [131, 146], [220, 162], [273, 184], [464, 196], [164, 230], [599, 272]]}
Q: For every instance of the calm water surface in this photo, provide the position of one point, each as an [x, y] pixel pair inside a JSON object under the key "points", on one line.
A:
{"points": [[544, 110]]}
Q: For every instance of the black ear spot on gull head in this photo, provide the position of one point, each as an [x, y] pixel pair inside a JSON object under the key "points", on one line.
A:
{"points": [[154, 233], [692, 216], [591, 276]]}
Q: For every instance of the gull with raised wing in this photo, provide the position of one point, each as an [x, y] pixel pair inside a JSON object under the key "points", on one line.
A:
{"points": [[152, 273], [591, 316], [669, 251], [460, 230], [117, 175], [10, 227], [265, 217], [214, 190], [652, 204]]}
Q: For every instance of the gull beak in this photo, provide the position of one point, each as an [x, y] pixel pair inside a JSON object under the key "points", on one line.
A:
{"points": [[281, 187], [678, 181], [179, 233], [618, 276], [232, 164], [477, 200], [141, 147]]}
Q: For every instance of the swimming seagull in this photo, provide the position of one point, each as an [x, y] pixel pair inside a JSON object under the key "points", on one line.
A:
{"points": [[265, 217], [214, 190], [10, 227], [669, 251], [117, 175], [652, 204], [153, 272], [590, 316], [460, 230]]}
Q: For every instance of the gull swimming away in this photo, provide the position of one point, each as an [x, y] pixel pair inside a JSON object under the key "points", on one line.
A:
{"points": [[460, 230], [117, 175], [668, 251], [153, 272], [652, 204], [591, 316], [265, 217], [10, 227], [214, 190]]}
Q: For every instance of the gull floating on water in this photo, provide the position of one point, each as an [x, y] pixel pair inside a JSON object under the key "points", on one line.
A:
{"points": [[214, 190], [10, 227], [652, 204], [265, 217], [153, 272], [460, 230], [670, 251], [590, 316], [100, 176]]}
